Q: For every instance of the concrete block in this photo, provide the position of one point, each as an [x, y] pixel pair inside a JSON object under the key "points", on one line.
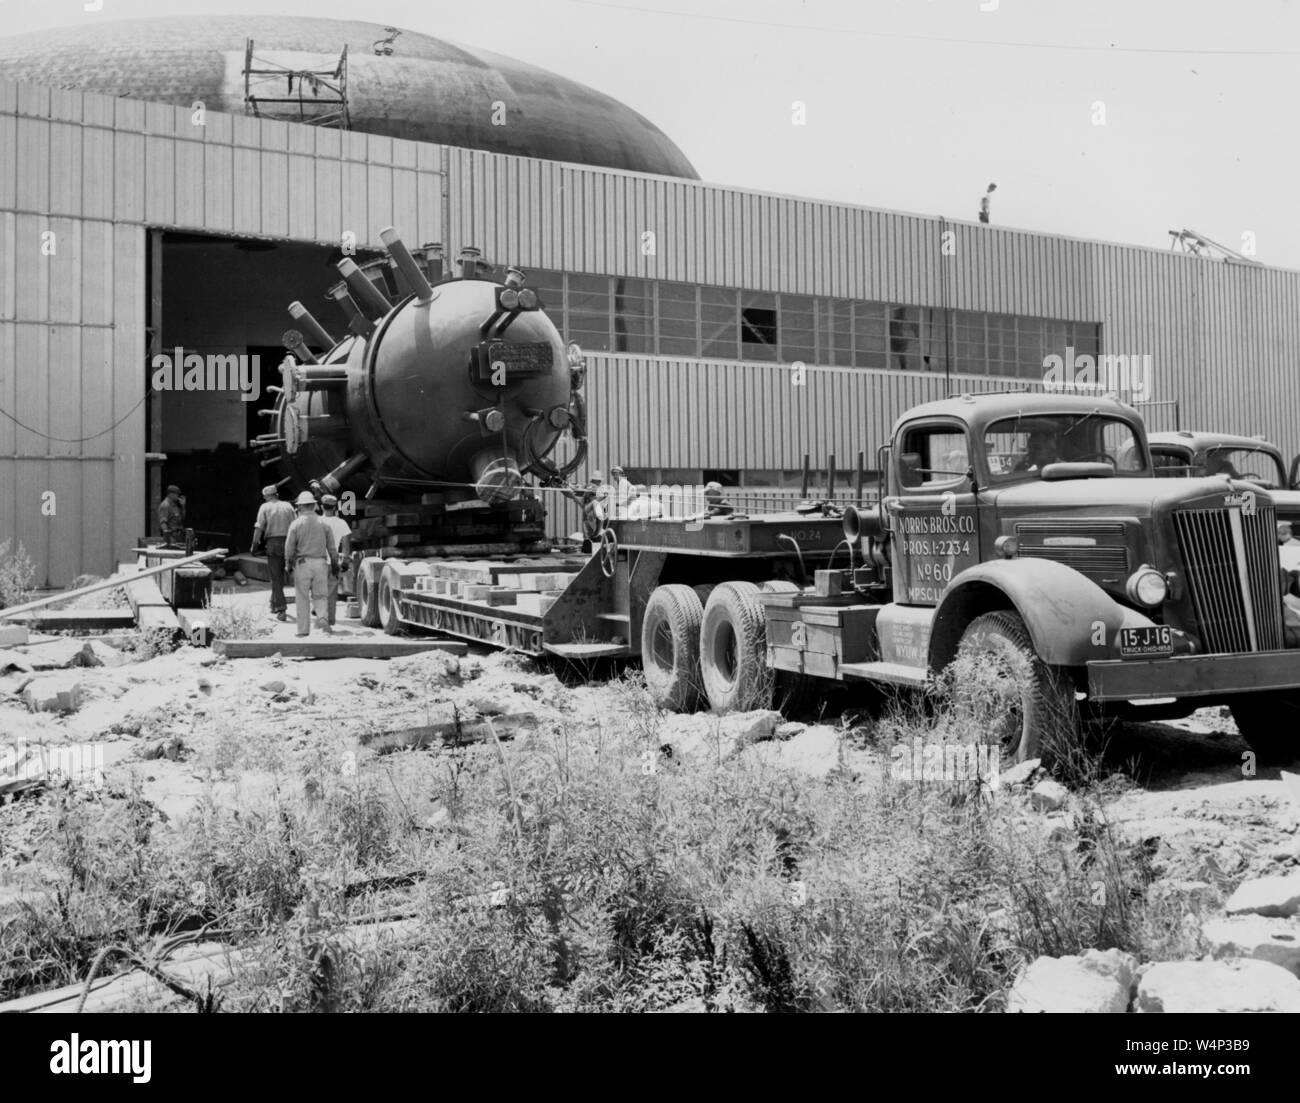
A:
{"points": [[59, 693], [11, 635], [535, 604], [554, 581]]}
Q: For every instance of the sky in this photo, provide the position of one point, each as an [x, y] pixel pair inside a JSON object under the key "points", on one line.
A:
{"points": [[1116, 120]]}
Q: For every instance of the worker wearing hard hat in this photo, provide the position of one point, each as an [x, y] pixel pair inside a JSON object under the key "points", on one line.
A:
{"points": [[590, 499], [273, 520], [342, 534], [312, 549]]}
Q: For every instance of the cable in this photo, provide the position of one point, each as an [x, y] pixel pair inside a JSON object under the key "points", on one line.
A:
{"points": [[74, 440], [933, 38]]}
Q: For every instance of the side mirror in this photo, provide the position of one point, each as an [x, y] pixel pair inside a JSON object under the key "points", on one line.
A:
{"points": [[1293, 477]]}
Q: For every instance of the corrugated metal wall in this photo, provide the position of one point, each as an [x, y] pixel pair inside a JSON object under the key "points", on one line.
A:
{"points": [[98, 172], [1224, 338]]}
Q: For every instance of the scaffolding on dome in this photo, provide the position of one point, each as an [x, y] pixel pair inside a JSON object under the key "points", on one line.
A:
{"points": [[318, 97]]}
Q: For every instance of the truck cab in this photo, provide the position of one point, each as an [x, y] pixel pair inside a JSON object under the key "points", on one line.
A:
{"points": [[1188, 454], [1032, 530]]}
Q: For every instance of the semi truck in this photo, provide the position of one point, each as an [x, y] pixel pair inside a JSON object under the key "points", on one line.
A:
{"points": [[1027, 531]]}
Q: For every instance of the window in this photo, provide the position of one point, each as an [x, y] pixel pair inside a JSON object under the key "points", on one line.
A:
{"points": [[719, 318], [1021, 447], [727, 476], [837, 331], [678, 320], [1031, 348], [797, 329], [758, 328], [905, 338], [1252, 464], [870, 335], [934, 339], [549, 286], [589, 311], [971, 351], [1171, 465], [932, 456], [633, 316]]}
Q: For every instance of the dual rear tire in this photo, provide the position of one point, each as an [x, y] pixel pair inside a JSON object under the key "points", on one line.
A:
{"points": [[706, 648]]}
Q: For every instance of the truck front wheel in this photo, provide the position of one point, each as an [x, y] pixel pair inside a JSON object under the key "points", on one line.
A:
{"points": [[670, 648], [733, 650], [1012, 693], [1267, 722]]}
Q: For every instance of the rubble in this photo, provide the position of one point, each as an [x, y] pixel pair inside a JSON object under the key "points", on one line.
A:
{"points": [[1021, 773], [1048, 796], [1255, 936], [814, 752], [703, 736], [1217, 987], [1275, 896], [1092, 982], [53, 694], [95, 653]]}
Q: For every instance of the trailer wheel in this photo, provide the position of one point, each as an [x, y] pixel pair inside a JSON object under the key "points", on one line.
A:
{"points": [[670, 648], [779, 586], [368, 599], [1267, 722], [733, 649], [386, 602], [1027, 704]]}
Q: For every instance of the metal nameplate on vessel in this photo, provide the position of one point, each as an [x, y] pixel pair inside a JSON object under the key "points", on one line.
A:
{"points": [[502, 362], [1157, 639]]}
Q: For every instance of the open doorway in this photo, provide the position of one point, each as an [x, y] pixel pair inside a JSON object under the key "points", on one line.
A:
{"points": [[219, 311]]}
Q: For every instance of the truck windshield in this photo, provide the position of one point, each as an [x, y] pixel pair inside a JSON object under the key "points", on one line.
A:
{"points": [[1255, 464], [1019, 448]]}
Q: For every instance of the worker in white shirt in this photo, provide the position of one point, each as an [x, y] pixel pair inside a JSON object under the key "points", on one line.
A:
{"points": [[342, 533]]}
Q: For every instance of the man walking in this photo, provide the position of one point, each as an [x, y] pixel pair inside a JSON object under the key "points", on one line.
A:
{"points": [[273, 520], [341, 532], [310, 547]]}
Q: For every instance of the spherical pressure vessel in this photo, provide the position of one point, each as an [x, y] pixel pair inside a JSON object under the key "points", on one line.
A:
{"points": [[464, 383]]}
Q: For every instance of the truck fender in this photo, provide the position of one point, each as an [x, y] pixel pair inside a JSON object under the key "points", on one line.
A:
{"points": [[1069, 617]]}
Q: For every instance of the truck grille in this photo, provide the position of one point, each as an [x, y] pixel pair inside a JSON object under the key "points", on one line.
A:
{"points": [[1109, 563], [1232, 573]]}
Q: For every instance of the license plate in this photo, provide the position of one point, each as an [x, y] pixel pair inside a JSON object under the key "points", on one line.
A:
{"points": [[1155, 640]]}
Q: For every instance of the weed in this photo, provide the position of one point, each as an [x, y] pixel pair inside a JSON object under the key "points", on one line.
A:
{"points": [[17, 575]]}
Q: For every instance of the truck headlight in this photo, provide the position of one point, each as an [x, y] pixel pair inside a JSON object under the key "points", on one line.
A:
{"points": [[1147, 586]]}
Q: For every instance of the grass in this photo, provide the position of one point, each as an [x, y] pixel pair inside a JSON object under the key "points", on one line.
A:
{"points": [[580, 870], [231, 620], [17, 575]]}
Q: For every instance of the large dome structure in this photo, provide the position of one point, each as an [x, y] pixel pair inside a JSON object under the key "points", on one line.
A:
{"points": [[426, 89]]}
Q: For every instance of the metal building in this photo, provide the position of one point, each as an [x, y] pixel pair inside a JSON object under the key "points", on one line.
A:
{"points": [[729, 332]]}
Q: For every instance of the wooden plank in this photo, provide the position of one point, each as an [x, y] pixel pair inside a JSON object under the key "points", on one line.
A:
{"points": [[157, 616], [191, 965], [112, 583], [59, 620], [326, 647], [448, 731]]}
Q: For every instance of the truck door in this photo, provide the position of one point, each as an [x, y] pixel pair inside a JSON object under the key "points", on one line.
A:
{"points": [[932, 515]]}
